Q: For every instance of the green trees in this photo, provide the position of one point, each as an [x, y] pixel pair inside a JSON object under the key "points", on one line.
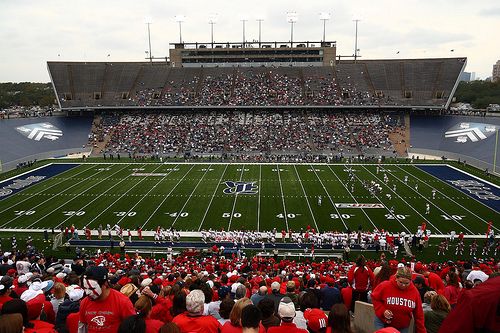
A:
{"points": [[478, 93], [26, 94]]}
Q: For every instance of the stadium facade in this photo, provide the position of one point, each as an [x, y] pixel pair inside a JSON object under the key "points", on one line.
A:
{"points": [[311, 73]]}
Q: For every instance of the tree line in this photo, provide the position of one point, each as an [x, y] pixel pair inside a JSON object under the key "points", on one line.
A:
{"points": [[26, 94], [478, 93]]}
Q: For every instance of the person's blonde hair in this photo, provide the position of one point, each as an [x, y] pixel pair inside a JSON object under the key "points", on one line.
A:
{"points": [[440, 303], [143, 305], [235, 314], [59, 290]]}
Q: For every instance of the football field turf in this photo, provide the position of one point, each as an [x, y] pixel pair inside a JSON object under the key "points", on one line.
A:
{"points": [[192, 197]]}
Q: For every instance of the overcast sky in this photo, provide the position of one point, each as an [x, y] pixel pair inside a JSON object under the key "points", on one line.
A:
{"points": [[33, 32]]}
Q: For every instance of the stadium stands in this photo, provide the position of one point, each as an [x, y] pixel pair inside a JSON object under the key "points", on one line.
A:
{"points": [[173, 132], [420, 82]]}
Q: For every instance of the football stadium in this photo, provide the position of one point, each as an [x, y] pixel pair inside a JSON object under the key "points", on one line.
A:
{"points": [[257, 164]]}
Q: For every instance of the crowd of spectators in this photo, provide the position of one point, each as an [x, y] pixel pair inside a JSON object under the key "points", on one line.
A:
{"points": [[211, 293], [241, 132], [260, 87]]}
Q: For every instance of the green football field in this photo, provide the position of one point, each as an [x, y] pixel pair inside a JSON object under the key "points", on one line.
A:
{"points": [[192, 197]]}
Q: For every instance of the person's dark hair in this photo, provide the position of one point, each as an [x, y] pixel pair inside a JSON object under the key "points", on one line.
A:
{"points": [[453, 279], [266, 307], [339, 319], [361, 261], [250, 316], [308, 300], [385, 273], [468, 284], [133, 324], [208, 293], [72, 278], [178, 304], [225, 307], [169, 328], [17, 306]]}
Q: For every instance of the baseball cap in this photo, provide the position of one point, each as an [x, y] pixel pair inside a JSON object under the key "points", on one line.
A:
{"points": [[98, 273], [223, 291], [146, 282], [275, 285], [286, 308], [75, 292], [24, 278], [387, 330], [316, 319]]}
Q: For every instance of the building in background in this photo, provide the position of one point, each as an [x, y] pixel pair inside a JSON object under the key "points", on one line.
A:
{"points": [[466, 77], [496, 72]]}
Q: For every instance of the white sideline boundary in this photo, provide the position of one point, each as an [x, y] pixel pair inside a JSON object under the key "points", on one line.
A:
{"points": [[195, 234]]}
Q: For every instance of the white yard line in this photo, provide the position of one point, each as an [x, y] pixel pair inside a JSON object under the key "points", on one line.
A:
{"points": [[75, 197], [235, 198], [145, 195], [258, 200], [282, 198], [168, 195], [451, 199], [98, 196], [213, 196], [352, 196], [380, 201], [121, 196], [45, 189], [407, 203], [191, 195], [43, 202], [307, 200]]}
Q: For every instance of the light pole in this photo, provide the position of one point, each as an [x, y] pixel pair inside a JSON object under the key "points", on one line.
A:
{"points": [[356, 41], [324, 17], [212, 19], [149, 40], [292, 18], [260, 25], [179, 19], [243, 20]]}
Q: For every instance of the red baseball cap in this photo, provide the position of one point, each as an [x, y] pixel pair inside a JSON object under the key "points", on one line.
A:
{"points": [[387, 330], [316, 319]]}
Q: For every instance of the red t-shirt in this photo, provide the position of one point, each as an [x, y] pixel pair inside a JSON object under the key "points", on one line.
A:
{"points": [[286, 328], [3, 299], [153, 325], [72, 322], [40, 327], [197, 324], [106, 315], [230, 328], [451, 293]]}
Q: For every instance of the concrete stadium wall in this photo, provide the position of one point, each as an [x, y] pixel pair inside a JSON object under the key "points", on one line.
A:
{"points": [[11, 165]]}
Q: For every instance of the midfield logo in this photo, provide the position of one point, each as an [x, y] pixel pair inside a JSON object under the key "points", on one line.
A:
{"points": [[474, 132], [40, 131], [240, 188]]}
